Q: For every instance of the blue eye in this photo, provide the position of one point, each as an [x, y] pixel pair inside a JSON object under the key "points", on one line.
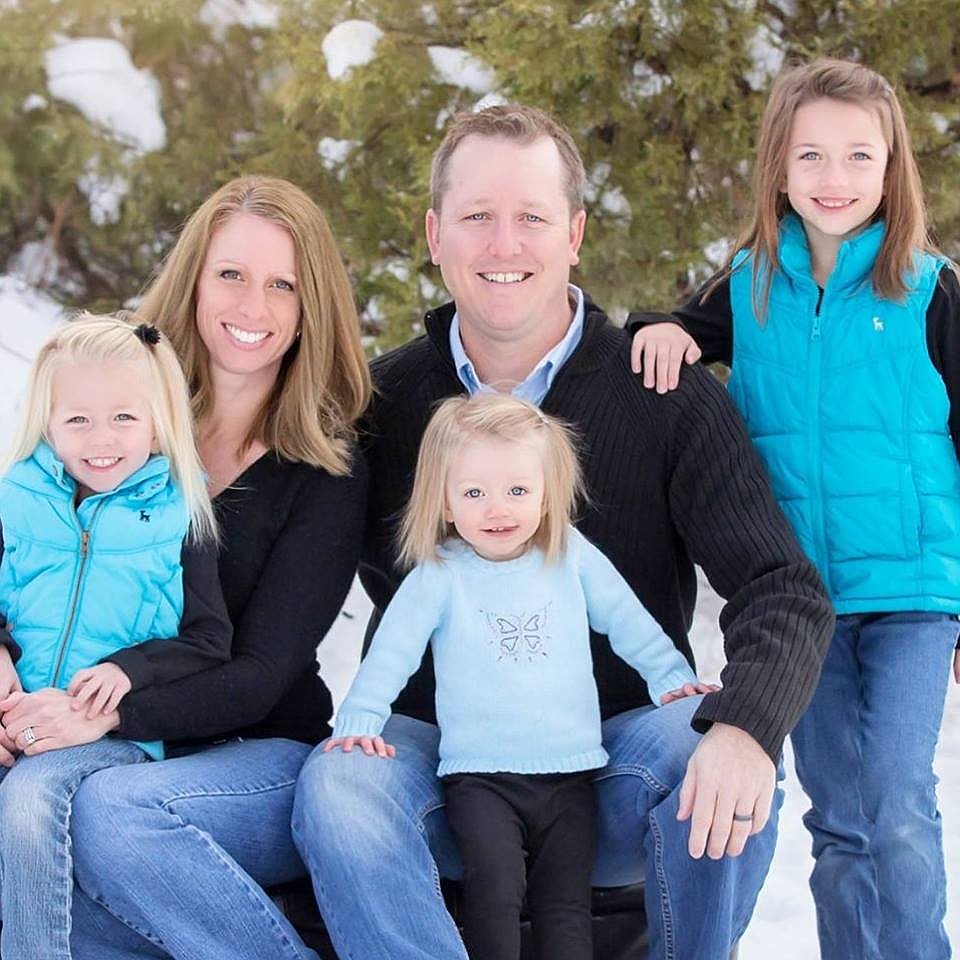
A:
{"points": [[810, 155], [473, 493], [125, 417], [77, 419], [518, 491], [532, 218], [284, 285], [229, 274], [475, 216], [860, 155]]}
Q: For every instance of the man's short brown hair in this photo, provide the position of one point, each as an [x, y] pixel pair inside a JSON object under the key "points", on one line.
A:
{"points": [[509, 121]]}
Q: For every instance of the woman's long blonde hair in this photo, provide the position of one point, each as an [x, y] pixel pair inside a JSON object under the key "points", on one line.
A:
{"points": [[89, 338], [901, 208], [459, 420], [323, 385]]}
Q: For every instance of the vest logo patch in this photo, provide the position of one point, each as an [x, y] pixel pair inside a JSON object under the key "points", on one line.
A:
{"points": [[144, 516], [877, 325], [517, 636]]}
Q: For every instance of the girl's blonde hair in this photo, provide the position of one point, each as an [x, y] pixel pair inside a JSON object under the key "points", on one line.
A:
{"points": [[901, 208], [324, 384], [89, 338], [460, 420]]}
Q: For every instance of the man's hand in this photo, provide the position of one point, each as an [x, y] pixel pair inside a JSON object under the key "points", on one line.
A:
{"points": [[9, 681], [658, 351], [101, 687], [54, 723], [727, 792], [369, 745]]}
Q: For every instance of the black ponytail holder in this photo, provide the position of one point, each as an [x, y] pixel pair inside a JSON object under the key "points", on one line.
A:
{"points": [[147, 334]]}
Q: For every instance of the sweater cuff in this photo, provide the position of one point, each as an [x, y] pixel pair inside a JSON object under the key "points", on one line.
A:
{"points": [[716, 708], [358, 723]]}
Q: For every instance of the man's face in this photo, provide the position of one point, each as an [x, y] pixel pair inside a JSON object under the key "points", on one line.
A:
{"points": [[505, 238]]}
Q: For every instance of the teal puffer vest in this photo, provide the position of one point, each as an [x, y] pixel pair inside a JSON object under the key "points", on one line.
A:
{"points": [[80, 583], [850, 416]]}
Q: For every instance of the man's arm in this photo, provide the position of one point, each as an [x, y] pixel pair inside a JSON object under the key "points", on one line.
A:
{"points": [[777, 620]]}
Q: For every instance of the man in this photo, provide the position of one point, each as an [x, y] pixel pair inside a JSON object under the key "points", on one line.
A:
{"points": [[672, 481]]}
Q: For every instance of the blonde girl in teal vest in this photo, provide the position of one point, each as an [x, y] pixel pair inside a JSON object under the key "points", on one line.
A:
{"points": [[839, 320], [108, 582]]}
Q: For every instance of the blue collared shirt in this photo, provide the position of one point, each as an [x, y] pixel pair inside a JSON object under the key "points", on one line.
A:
{"points": [[534, 388]]}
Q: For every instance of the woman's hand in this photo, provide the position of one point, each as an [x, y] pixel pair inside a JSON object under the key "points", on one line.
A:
{"points": [[369, 745], [658, 351], [49, 715]]}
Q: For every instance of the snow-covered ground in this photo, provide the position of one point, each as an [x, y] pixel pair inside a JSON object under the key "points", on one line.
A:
{"points": [[783, 925]]}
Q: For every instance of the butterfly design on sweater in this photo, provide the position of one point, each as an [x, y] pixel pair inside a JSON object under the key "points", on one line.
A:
{"points": [[517, 636]]}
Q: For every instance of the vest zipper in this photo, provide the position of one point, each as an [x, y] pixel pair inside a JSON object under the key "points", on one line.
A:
{"points": [[813, 450], [75, 596]]}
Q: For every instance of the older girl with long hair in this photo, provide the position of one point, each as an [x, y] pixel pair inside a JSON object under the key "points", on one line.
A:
{"points": [[839, 317], [171, 857]]}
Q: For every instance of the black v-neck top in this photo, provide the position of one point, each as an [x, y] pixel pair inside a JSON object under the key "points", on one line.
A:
{"points": [[290, 540]]}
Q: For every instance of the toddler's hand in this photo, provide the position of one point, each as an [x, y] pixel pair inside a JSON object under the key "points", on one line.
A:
{"points": [[101, 687], [369, 745], [688, 690], [9, 681]]}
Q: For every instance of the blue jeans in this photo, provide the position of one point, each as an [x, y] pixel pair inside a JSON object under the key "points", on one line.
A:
{"points": [[376, 841], [171, 857], [36, 867], [864, 752]]}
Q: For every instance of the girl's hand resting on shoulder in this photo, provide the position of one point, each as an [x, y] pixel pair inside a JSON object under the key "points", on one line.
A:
{"points": [[369, 745], [658, 350], [688, 690], [101, 688]]}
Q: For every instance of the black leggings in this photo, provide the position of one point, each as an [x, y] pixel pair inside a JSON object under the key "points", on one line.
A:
{"points": [[525, 831]]}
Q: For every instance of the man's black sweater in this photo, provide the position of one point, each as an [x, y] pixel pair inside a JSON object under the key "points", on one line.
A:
{"points": [[673, 481]]}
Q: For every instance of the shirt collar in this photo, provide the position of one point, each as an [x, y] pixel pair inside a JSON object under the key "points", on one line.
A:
{"points": [[538, 382]]}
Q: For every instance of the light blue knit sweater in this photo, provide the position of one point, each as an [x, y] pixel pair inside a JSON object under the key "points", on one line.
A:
{"points": [[511, 650]]}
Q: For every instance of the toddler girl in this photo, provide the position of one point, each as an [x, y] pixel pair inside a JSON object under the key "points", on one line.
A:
{"points": [[505, 591], [108, 583]]}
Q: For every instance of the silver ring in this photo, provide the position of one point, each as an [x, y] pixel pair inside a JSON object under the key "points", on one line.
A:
{"points": [[29, 736], [743, 818]]}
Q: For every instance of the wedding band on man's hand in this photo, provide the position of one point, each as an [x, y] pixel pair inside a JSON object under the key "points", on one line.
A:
{"points": [[743, 818], [29, 736]]}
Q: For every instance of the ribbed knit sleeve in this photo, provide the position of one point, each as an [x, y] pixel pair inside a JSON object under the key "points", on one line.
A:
{"points": [[777, 620]]}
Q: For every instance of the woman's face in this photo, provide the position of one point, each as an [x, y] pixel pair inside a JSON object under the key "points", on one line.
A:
{"points": [[248, 305]]}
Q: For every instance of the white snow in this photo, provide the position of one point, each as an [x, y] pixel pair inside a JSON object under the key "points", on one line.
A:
{"points": [[220, 15], [26, 317], [96, 75], [104, 193], [461, 69], [766, 55], [33, 101], [350, 44], [333, 153]]}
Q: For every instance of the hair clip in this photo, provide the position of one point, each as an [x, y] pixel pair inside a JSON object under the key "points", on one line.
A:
{"points": [[147, 334]]}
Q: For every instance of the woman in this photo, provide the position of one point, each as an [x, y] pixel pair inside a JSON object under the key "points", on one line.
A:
{"points": [[257, 303]]}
